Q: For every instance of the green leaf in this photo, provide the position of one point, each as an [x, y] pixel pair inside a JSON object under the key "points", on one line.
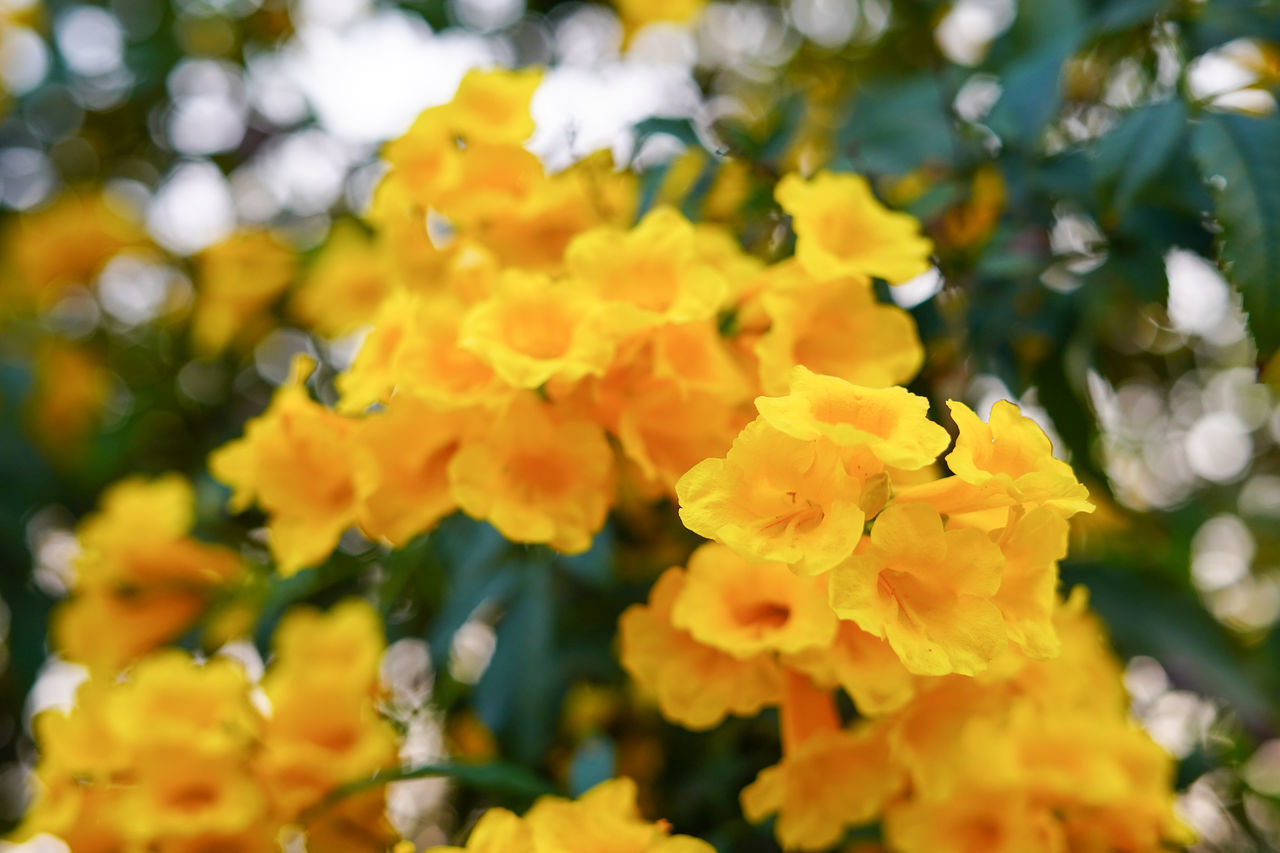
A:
{"points": [[1136, 150], [517, 695], [897, 124], [1240, 158], [1115, 17], [495, 777]]}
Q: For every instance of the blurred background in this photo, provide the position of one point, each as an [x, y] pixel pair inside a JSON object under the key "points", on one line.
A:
{"points": [[1088, 169]]}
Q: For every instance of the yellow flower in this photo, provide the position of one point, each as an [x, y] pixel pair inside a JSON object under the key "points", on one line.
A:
{"points": [[140, 579], [925, 589], [638, 13], [774, 497], [324, 729], [835, 780], [305, 754], [842, 230], [72, 387], [413, 350], [665, 430], [492, 105], [1014, 452], [865, 666], [697, 359], [834, 328], [236, 280], [172, 702], [401, 461], [829, 778], [651, 274], [105, 626], [341, 646], [533, 330], [508, 204], [294, 460], [497, 831], [65, 243], [603, 820], [537, 477], [975, 821], [183, 793], [344, 287], [695, 685], [890, 422], [1032, 544], [425, 164], [745, 609]]}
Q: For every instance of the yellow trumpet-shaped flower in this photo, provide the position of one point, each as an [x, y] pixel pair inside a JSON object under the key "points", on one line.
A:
{"points": [[537, 476], [493, 105], [835, 328], [842, 230], [695, 685], [927, 590], [649, 274], [1013, 451], [294, 461], [535, 329], [890, 422], [774, 497]]}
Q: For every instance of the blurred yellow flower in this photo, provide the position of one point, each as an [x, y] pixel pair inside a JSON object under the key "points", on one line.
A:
{"points": [[140, 579], [343, 288], [842, 230], [537, 476], [293, 461], [236, 280], [534, 329], [66, 242], [834, 328], [493, 105], [695, 685]]}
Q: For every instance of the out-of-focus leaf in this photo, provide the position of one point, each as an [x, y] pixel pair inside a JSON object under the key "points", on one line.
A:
{"points": [[681, 128], [496, 777], [1114, 17], [1031, 92], [1136, 150], [1145, 616], [896, 125], [1240, 158], [473, 554], [516, 696], [593, 762], [1029, 65], [595, 565]]}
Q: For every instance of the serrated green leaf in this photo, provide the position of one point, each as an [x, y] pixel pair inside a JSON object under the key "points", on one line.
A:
{"points": [[1239, 156]]}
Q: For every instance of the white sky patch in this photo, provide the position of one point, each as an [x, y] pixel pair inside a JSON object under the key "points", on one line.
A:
{"points": [[368, 80]]}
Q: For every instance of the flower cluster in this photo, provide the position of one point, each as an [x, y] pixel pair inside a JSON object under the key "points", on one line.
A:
{"points": [[139, 579], [991, 716], [604, 818], [951, 569], [182, 755], [530, 350], [1030, 756]]}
